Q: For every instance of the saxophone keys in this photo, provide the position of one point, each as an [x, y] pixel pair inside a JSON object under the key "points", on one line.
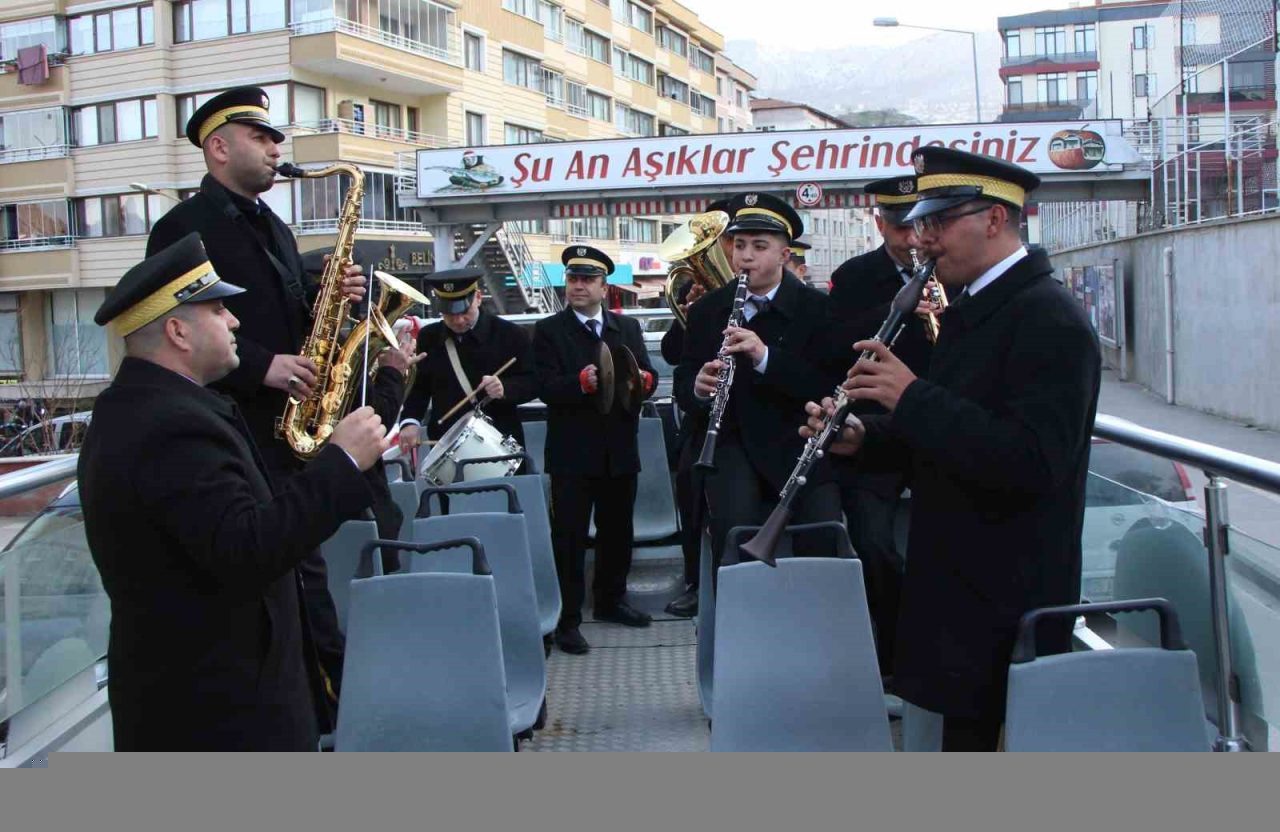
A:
{"points": [[329, 402], [340, 373], [801, 480], [324, 432]]}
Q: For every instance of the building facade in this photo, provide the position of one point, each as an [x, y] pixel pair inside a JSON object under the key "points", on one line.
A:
{"points": [[92, 149], [734, 86], [771, 114]]}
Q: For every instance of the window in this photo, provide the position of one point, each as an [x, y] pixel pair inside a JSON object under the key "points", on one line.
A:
{"points": [[576, 98], [1188, 31], [669, 87], [77, 346], [633, 122], [1144, 85], [114, 30], [1193, 129], [599, 106], [665, 129], [538, 226], [1086, 85], [120, 215], [1086, 38], [1142, 37], [515, 134], [702, 105], [673, 41], [1013, 44], [520, 70], [308, 104], [1052, 87], [473, 48], [205, 19], [277, 95], [629, 66], [26, 224], [32, 134], [553, 87], [413, 119], [23, 33], [524, 8], [1051, 40], [738, 98], [320, 200], [640, 18], [476, 134], [552, 17], [118, 121], [703, 62], [10, 335], [597, 46], [631, 230], [620, 11], [1014, 90], [386, 118], [592, 228]]}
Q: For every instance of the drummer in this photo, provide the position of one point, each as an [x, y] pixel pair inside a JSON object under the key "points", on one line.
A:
{"points": [[464, 351]]}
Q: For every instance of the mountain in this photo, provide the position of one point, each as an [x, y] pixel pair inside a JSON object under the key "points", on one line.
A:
{"points": [[930, 78]]}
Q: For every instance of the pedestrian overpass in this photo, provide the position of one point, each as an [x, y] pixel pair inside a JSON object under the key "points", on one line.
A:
{"points": [[485, 188]]}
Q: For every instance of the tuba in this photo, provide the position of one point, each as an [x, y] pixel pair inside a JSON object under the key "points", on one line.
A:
{"points": [[307, 423], [695, 255]]}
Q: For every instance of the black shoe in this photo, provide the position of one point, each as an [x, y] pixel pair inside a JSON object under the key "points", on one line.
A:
{"points": [[571, 641], [623, 613], [686, 605]]}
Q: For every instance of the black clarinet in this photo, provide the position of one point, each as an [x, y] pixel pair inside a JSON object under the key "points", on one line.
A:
{"points": [[724, 380], [765, 542]]}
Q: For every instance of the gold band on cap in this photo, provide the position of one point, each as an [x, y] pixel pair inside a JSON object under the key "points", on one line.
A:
{"points": [[885, 199], [767, 213], [221, 117], [159, 302], [992, 187], [461, 293], [586, 261]]}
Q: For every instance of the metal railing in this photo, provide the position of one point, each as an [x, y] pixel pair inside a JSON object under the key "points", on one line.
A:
{"points": [[450, 52], [34, 154], [331, 224], [29, 243], [1050, 58], [374, 131], [1217, 464], [531, 278]]}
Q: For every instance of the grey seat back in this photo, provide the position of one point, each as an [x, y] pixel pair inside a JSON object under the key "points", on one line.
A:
{"points": [[705, 621], [795, 660], [1129, 699], [506, 547], [654, 516], [423, 668], [342, 560], [535, 442], [405, 496], [542, 558]]}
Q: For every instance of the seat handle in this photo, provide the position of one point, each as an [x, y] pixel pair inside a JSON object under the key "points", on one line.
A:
{"points": [[1024, 648], [424, 501], [523, 456], [406, 470], [844, 548], [479, 563]]}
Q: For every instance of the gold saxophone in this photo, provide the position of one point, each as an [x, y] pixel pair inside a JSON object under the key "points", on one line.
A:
{"points": [[308, 423]]}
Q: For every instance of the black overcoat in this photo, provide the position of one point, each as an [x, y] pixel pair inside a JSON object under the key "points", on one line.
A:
{"points": [[998, 440], [197, 553], [580, 441]]}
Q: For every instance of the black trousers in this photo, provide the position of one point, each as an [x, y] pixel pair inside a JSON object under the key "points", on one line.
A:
{"points": [[869, 514], [691, 522], [738, 496], [572, 498]]}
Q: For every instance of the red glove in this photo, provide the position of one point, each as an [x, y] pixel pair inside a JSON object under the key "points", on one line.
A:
{"points": [[584, 380], [647, 378]]}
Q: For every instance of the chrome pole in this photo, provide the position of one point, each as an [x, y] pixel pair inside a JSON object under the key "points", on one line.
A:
{"points": [[1215, 533]]}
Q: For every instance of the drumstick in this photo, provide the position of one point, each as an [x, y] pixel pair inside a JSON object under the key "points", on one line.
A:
{"points": [[472, 394]]}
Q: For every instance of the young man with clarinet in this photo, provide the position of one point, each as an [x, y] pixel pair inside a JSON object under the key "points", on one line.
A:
{"points": [[782, 360], [995, 441]]}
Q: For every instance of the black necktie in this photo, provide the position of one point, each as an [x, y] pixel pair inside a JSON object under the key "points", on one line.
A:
{"points": [[593, 326], [760, 303]]}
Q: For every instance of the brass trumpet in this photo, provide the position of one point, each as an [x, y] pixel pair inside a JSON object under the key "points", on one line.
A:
{"points": [[695, 256]]}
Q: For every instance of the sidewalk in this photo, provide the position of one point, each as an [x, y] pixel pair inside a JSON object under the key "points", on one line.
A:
{"points": [[1250, 510]]}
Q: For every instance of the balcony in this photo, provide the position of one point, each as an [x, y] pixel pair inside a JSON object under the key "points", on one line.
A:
{"points": [[1057, 62], [333, 139], [1242, 98], [1073, 108], [52, 92], [342, 48], [33, 154]]}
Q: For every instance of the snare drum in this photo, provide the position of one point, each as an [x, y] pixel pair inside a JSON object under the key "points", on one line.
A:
{"points": [[471, 437]]}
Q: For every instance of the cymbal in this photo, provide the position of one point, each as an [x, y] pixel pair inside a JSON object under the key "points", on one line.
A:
{"points": [[604, 379], [396, 284], [629, 385]]}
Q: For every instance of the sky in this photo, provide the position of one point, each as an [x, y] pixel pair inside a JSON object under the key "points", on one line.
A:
{"points": [[828, 24]]}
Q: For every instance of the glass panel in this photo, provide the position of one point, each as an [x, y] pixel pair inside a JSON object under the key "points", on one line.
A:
{"points": [[280, 200], [124, 25], [82, 35], [92, 338], [10, 335], [148, 25], [128, 120], [62, 332], [157, 207], [308, 104], [1253, 580], [87, 126], [90, 217], [239, 16], [151, 121], [208, 19], [133, 210], [106, 123], [266, 14]]}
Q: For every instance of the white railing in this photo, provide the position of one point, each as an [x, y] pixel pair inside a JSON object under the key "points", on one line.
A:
{"points": [[27, 243], [531, 278], [331, 224], [32, 154], [373, 131], [450, 52]]}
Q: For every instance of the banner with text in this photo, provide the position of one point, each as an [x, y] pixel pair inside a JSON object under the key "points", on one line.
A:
{"points": [[762, 160]]}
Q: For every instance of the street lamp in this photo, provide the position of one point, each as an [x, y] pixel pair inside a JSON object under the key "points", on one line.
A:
{"points": [[893, 21], [146, 189]]}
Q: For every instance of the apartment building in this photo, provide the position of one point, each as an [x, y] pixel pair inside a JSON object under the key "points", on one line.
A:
{"points": [[92, 150], [734, 86], [775, 114]]}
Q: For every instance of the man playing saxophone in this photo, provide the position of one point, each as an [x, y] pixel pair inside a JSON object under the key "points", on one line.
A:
{"points": [[247, 241], [783, 358]]}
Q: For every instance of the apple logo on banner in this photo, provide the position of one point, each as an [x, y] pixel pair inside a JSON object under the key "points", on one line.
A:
{"points": [[1076, 149]]}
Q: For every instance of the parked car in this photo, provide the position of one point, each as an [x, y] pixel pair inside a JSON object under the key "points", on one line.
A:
{"points": [[1126, 485], [62, 434]]}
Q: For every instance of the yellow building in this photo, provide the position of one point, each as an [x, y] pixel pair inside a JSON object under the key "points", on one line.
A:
{"points": [[86, 135]]}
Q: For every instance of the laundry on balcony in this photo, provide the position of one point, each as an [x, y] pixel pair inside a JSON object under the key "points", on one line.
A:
{"points": [[33, 65]]}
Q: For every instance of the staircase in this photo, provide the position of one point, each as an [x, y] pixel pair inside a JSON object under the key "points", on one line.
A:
{"points": [[505, 258]]}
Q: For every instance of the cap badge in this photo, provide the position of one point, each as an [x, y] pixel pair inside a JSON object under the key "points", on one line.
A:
{"points": [[266, 102], [906, 186], [751, 199], [448, 287], [918, 161], [582, 251]]}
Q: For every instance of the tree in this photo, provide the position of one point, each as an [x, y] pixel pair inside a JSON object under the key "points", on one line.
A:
{"points": [[877, 118]]}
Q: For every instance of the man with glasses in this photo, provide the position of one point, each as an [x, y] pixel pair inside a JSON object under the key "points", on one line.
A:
{"points": [[995, 441]]}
